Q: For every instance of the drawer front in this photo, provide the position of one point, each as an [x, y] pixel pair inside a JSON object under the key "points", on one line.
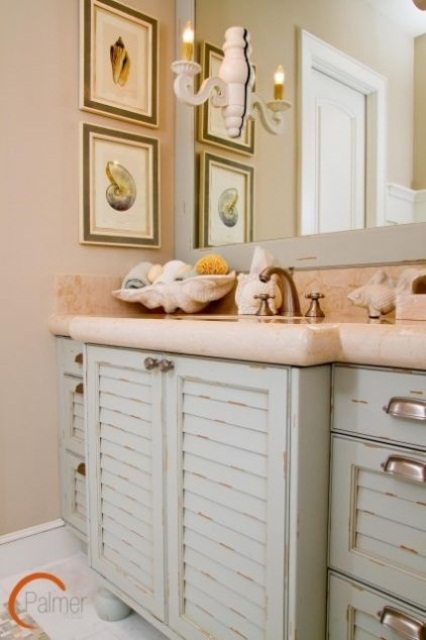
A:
{"points": [[73, 430], [360, 395], [71, 355], [74, 492], [378, 516], [354, 614]]}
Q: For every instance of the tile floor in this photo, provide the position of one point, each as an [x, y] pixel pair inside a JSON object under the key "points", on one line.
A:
{"points": [[85, 624]]}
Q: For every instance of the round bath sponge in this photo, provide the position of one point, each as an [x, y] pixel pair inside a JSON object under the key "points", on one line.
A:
{"points": [[211, 264]]}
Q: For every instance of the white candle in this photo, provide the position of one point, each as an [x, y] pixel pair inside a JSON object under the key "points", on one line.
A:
{"points": [[279, 77], [187, 42]]}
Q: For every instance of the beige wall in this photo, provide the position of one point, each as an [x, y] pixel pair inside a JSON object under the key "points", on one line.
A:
{"points": [[351, 26], [39, 174], [419, 113]]}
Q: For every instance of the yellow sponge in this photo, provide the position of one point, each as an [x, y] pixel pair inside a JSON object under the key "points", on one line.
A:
{"points": [[211, 264]]}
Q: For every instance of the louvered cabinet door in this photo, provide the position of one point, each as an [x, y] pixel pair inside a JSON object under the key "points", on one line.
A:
{"points": [[378, 516], [125, 453], [226, 427]]}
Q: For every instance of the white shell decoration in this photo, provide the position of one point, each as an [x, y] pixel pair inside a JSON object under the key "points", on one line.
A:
{"points": [[377, 295], [121, 193], [190, 295], [250, 286]]}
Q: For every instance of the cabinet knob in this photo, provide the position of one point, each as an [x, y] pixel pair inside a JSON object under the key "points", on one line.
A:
{"points": [[78, 358], [166, 365], [407, 626], [151, 363], [406, 408], [407, 468]]}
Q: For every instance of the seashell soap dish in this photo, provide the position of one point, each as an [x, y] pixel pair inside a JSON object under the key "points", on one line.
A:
{"points": [[190, 295], [177, 286]]}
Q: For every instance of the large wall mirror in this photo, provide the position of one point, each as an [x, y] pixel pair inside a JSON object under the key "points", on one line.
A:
{"points": [[364, 30]]}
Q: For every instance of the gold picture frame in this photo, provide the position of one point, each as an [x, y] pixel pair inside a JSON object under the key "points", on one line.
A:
{"points": [[119, 62], [226, 201], [211, 126], [120, 194]]}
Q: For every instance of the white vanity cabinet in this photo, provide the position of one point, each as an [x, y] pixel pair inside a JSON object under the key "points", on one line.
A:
{"points": [[70, 355], [208, 491], [377, 549]]}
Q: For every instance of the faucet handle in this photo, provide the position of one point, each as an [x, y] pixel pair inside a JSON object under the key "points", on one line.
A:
{"points": [[264, 308], [314, 310]]}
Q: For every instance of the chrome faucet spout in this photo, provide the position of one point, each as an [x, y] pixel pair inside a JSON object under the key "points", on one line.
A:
{"points": [[290, 304]]}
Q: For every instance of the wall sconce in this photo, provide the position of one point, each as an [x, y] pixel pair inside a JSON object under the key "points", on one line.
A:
{"points": [[232, 89]]}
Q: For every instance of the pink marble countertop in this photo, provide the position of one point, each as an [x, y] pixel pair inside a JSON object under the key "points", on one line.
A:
{"points": [[274, 340]]}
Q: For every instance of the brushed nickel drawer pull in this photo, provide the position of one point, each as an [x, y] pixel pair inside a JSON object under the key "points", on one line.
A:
{"points": [[151, 363], [166, 365], [79, 388], [407, 626], [406, 468], [78, 358], [81, 469], [406, 408]]}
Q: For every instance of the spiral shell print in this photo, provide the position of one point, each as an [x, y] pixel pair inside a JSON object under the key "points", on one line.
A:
{"points": [[121, 193], [228, 211]]}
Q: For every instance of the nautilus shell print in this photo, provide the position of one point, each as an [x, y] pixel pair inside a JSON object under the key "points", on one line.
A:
{"points": [[121, 193], [227, 207], [120, 62]]}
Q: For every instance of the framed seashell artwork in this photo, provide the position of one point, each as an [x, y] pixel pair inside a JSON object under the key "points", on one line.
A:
{"points": [[119, 62], [226, 201], [119, 182]]}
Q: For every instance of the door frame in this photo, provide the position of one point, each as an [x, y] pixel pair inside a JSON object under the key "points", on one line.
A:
{"points": [[321, 56]]}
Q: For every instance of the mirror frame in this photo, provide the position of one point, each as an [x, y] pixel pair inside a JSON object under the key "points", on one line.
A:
{"points": [[379, 245]]}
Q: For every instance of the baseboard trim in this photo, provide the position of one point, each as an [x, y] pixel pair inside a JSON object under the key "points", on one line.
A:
{"points": [[27, 549]]}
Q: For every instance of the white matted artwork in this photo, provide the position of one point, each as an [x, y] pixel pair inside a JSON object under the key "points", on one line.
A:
{"points": [[119, 62], [226, 201], [120, 198]]}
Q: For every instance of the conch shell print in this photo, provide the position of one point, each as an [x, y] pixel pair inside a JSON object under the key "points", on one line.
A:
{"points": [[120, 62], [228, 211], [121, 193]]}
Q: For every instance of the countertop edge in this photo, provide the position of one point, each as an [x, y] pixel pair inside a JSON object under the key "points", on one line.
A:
{"points": [[295, 345]]}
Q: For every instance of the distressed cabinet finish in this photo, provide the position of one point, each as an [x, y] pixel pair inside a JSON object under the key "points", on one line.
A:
{"points": [[378, 503], [72, 435], [126, 459], [208, 492]]}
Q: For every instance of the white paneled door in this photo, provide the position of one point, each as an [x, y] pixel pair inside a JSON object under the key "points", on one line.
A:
{"points": [[338, 114]]}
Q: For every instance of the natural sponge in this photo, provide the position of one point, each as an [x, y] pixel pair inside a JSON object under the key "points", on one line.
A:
{"points": [[211, 264]]}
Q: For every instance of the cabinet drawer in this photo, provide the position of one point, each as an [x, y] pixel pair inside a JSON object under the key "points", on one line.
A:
{"points": [[378, 517], [360, 395], [73, 429], [354, 613], [74, 491], [71, 356]]}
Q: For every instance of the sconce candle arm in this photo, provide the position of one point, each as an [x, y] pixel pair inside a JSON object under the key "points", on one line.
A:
{"points": [[184, 85], [271, 113]]}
